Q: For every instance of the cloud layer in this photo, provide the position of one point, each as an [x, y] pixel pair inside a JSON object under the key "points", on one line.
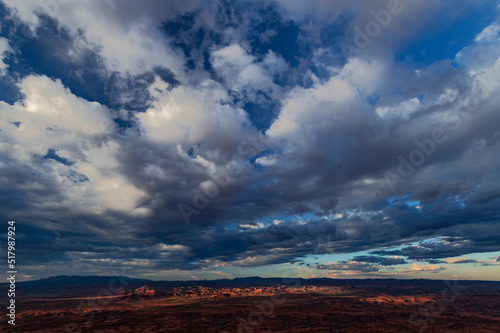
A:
{"points": [[192, 136]]}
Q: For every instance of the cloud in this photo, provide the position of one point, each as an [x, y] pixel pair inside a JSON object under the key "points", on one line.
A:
{"points": [[445, 248], [489, 33], [385, 261], [462, 261], [470, 261], [132, 42], [406, 19], [425, 268], [189, 116], [276, 243], [481, 54], [4, 47], [82, 133], [242, 71], [404, 109], [319, 107], [350, 266]]}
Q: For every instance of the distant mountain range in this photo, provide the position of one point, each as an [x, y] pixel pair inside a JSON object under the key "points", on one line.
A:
{"points": [[94, 280], [66, 286]]}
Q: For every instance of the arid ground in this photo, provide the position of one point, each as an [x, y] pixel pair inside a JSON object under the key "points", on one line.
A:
{"points": [[356, 306]]}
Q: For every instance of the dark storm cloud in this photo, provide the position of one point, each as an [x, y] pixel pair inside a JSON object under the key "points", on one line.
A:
{"points": [[333, 165], [267, 245], [435, 261], [448, 246], [385, 261]]}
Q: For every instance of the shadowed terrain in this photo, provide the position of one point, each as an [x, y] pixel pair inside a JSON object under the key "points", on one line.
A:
{"points": [[258, 305]]}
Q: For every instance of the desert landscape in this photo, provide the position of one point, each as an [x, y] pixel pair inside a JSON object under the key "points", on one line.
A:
{"points": [[257, 305]]}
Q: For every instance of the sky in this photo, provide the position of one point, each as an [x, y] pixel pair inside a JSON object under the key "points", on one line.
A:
{"points": [[184, 140]]}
